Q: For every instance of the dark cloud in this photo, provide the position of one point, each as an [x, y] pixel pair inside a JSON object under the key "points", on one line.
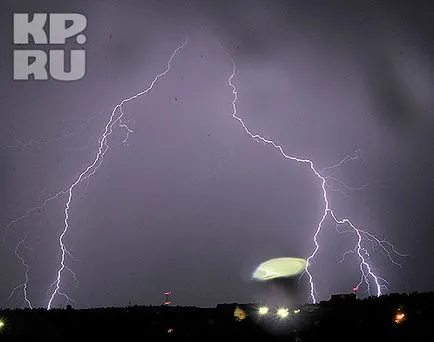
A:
{"points": [[390, 95]]}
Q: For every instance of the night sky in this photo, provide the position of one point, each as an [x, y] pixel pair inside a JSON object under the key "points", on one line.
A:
{"points": [[191, 203]]}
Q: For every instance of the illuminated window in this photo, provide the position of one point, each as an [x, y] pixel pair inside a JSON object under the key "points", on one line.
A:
{"points": [[239, 314]]}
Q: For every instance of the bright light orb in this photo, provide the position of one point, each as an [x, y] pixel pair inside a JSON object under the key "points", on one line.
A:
{"points": [[2, 324], [263, 310], [283, 312], [399, 317], [279, 268]]}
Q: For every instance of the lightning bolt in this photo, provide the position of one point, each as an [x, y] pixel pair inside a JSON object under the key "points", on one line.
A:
{"points": [[341, 162], [20, 245], [30, 212], [366, 270], [115, 118], [33, 143]]}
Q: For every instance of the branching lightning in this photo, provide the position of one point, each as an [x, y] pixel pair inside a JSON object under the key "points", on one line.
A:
{"points": [[115, 118], [366, 270], [30, 211], [341, 162], [32, 142], [18, 247]]}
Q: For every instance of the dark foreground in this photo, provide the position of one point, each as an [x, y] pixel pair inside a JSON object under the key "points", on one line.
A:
{"points": [[395, 317]]}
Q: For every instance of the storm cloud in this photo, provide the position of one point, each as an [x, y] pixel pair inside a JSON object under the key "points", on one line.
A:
{"points": [[191, 203]]}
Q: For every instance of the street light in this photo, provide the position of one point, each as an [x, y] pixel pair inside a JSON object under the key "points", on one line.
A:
{"points": [[263, 310], [283, 312]]}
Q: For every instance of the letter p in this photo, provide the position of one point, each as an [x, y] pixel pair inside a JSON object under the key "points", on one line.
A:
{"points": [[58, 30]]}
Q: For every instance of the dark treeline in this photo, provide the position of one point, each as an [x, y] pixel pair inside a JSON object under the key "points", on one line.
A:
{"points": [[393, 317]]}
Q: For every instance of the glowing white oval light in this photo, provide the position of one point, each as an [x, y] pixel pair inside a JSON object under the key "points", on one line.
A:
{"points": [[263, 310], [283, 312], [279, 268]]}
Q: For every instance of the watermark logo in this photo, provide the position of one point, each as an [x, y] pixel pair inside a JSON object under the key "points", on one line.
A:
{"points": [[43, 64]]}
